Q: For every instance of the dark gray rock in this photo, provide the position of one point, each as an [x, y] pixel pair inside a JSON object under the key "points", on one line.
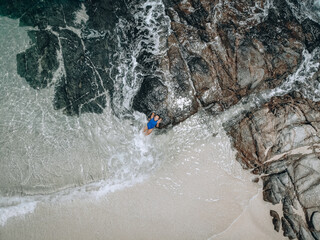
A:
{"points": [[82, 90], [275, 220], [38, 63], [86, 61], [275, 187], [16, 8], [153, 93], [287, 229]]}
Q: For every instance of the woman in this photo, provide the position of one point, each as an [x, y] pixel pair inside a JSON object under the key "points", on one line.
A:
{"points": [[154, 121]]}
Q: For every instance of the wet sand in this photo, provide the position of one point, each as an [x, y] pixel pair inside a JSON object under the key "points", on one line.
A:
{"points": [[192, 197]]}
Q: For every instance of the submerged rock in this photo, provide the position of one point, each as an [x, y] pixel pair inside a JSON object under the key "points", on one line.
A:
{"points": [[39, 63], [64, 53]]}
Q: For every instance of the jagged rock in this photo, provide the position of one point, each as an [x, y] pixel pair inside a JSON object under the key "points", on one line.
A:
{"points": [[281, 141], [283, 124], [275, 220], [154, 92], [217, 52], [292, 226], [179, 102], [287, 229], [312, 34], [229, 50], [276, 187], [232, 51]]}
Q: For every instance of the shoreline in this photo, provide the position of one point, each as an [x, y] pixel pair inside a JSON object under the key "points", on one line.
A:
{"points": [[194, 196]]}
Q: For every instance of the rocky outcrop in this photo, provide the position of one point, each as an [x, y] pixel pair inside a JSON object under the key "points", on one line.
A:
{"points": [[228, 49], [281, 142], [216, 52]]}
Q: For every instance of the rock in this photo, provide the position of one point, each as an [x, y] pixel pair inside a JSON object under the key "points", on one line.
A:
{"points": [[239, 57], [287, 229], [83, 80], [15, 8], [255, 180], [81, 91], [217, 52], [275, 187], [275, 220], [154, 92], [223, 52], [312, 34], [179, 101], [315, 219], [295, 227], [281, 141], [38, 64], [283, 124]]}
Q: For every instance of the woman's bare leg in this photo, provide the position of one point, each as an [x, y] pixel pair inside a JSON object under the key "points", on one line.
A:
{"points": [[145, 129], [149, 131]]}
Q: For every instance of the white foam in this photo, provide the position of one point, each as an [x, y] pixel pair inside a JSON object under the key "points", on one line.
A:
{"points": [[309, 9], [183, 102], [302, 78], [20, 209], [152, 27], [81, 16], [258, 13]]}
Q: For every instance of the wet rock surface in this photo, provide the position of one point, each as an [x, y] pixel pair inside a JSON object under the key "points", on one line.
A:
{"points": [[39, 63], [281, 142], [234, 48], [225, 50], [216, 53]]}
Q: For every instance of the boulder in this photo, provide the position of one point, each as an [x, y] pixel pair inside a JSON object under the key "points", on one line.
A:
{"points": [[275, 220]]}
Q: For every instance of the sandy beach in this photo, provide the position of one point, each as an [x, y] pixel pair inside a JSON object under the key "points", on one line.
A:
{"points": [[184, 199]]}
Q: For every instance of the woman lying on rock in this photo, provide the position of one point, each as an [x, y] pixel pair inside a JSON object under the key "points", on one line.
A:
{"points": [[154, 121]]}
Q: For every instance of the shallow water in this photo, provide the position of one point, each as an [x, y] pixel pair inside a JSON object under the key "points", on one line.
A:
{"points": [[199, 192]]}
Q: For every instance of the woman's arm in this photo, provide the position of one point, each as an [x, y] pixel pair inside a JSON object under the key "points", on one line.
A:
{"points": [[159, 121], [152, 116]]}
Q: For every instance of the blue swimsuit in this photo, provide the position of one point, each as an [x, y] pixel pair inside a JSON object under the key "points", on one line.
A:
{"points": [[152, 123]]}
